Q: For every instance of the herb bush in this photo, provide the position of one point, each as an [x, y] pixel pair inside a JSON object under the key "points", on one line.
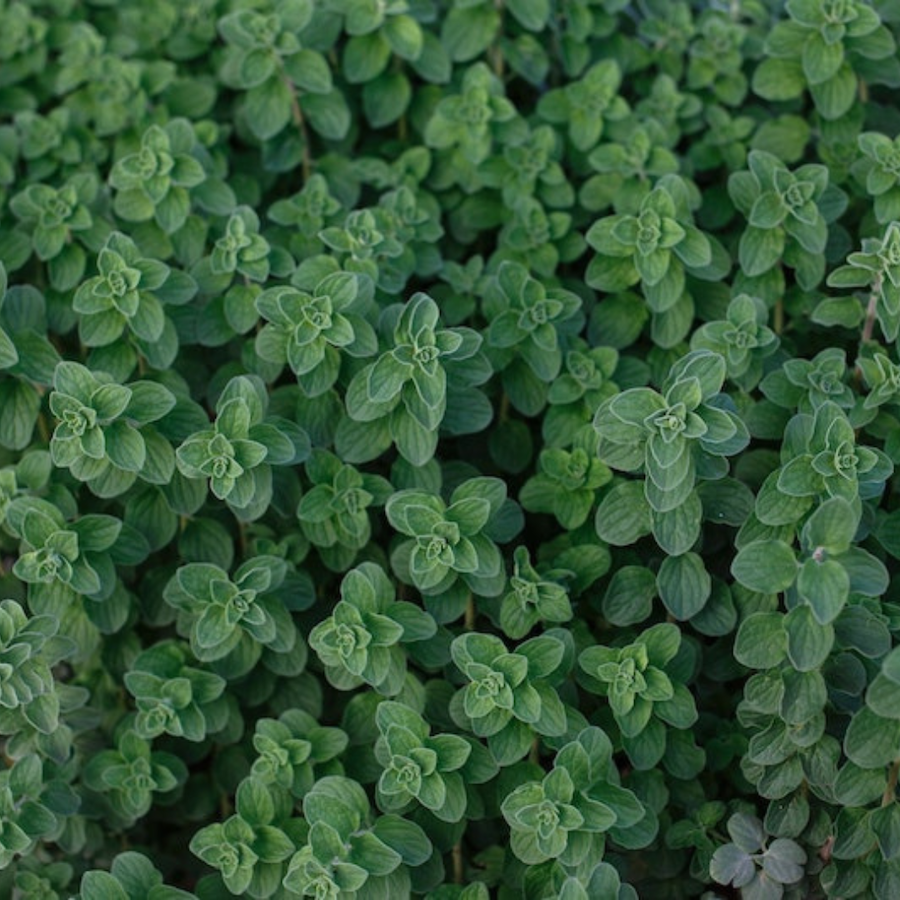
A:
{"points": [[448, 448]]}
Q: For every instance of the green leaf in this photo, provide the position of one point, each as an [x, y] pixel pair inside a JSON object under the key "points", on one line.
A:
{"points": [[767, 567], [267, 108], [125, 446], [386, 98], [825, 586], [760, 249], [835, 97], [761, 641], [821, 60], [20, 405], [531, 14], [779, 79], [309, 71], [365, 57], [405, 837], [328, 114], [629, 596], [684, 585], [808, 641], [871, 741], [623, 515]]}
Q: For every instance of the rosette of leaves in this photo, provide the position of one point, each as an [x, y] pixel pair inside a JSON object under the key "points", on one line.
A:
{"points": [[876, 268], [126, 295], [23, 50], [24, 816], [467, 123], [418, 766], [105, 93], [749, 862], [742, 338], [9, 354], [334, 513], [232, 618], [413, 220], [882, 377], [290, 748], [305, 214], [806, 384], [538, 238], [238, 452], [366, 244], [173, 697], [668, 434], [528, 322], [60, 560], [626, 167], [879, 171], [510, 697], [533, 597], [715, 61], [248, 848], [402, 396], [831, 568], [131, 876], [360, 642], [29, 648], [104, 436], [266, 59], [566, 485], [725, 141], [586, 380], [543, 818], [601, 880], [43, 881], [54, 216], [448, 541], [154, 183], [785, 221], [584, 106], [697, 831], [657, 247], [347, 852], [46, 142], [131, 774], [823, 47], [529, 167], [311, 331], [240, 250], [643, 685], [666, 110], [565, 816], [821, 458], [377, 30]]}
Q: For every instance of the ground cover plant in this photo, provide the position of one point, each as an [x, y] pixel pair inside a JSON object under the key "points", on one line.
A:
{"points": [[447, 449]]}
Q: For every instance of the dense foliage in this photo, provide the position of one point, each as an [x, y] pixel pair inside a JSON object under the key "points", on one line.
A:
{"points": [[447, 449]]}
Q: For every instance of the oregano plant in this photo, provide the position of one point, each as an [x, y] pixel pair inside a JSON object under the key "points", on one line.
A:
{"points": [[447, 449]]}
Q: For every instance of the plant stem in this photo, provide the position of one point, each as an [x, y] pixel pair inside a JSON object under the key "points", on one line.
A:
{"points": [[890, 791], [534, 755], [869, 324], [497, 61], [458, 867], [779, 316], [471, 613], [300, 122], [43, 428], [872, 309]]}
